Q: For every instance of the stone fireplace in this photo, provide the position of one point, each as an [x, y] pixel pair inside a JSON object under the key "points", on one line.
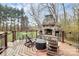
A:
{"points": [[49, 27], [51, 31]]}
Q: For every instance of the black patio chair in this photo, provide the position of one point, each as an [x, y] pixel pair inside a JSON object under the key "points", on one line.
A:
{"points": [[29, 42]]}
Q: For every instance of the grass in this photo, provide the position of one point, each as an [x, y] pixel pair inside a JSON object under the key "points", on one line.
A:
{"points": [[1, 43], [9, 36], [20, 34]]}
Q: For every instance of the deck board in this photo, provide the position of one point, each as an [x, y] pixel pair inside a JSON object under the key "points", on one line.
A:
{"points": [[19, 49]]}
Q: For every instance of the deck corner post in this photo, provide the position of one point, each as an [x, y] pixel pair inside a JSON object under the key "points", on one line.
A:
{"points": [[62, 40], [13, 36], [5, 40]]}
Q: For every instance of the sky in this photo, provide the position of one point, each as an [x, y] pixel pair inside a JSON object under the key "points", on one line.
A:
{"points": [[68, 6], [26, 7]]}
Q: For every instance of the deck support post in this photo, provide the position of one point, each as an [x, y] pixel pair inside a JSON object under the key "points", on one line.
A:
{"points": [[13, 36], [6, 40], [62, 40]]}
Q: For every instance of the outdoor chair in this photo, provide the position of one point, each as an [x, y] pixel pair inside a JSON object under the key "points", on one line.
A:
{"points": [[29, 42]]}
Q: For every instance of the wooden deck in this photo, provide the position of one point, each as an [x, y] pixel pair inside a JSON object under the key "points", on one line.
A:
{"points": [[18, 49]]}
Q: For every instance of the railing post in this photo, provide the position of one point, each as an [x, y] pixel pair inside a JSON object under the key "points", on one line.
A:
{"points": [[5, 40], [36, 33], [13, 36], [62, 40]]}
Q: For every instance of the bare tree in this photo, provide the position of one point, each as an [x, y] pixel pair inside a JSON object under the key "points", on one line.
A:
{"points": [[53, 11], [35, 13], [64, 12]]}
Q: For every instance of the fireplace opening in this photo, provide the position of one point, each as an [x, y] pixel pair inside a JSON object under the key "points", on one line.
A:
{"points": [[48, 31]]}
